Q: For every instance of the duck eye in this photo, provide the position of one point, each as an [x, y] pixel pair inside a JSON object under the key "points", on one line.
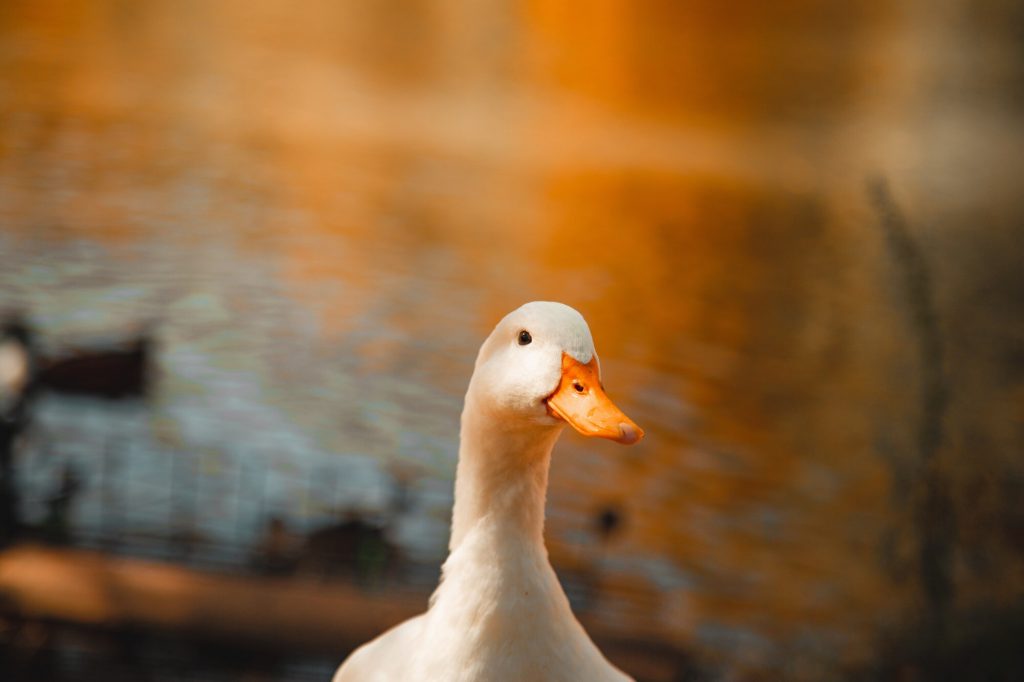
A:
{"points": [[524, 338]]}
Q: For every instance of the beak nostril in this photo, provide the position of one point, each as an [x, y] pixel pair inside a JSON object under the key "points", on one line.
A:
{"points": [[578, 386]]}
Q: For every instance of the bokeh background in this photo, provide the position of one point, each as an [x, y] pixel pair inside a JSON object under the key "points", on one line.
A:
{"points": [[248, 250]]}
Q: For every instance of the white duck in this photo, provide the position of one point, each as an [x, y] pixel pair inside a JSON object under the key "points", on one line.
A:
{"points": [[499, 613]]}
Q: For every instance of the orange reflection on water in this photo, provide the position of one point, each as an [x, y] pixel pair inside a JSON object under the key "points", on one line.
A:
{"points": [[689, 177]]}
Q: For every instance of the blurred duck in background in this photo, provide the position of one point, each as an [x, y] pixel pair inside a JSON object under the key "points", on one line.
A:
{"points": [[17, 363], [118, 370], [500, 613]]}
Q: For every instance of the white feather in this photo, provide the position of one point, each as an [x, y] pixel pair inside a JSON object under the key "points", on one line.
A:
{"points": [[499, 613]]}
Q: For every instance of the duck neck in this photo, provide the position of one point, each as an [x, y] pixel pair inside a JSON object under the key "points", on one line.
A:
{"points": [[502, 476]]}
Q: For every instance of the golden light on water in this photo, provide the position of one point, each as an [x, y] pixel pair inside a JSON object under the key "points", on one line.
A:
{"points": [[322, 211]]}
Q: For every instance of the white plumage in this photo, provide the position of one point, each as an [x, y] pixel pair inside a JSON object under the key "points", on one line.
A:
{"points": [[499, 613]]}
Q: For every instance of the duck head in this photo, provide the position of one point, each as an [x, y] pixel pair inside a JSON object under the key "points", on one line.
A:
{"points": [[539, 368]]}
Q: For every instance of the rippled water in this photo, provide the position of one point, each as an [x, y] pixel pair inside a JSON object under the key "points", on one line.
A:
{"points": [[322, 213]]}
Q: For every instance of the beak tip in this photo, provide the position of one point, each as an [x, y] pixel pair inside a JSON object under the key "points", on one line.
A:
{"points": [[629, 433]]}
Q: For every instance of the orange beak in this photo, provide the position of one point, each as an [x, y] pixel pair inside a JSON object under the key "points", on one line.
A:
{"points": [[581, 401]]}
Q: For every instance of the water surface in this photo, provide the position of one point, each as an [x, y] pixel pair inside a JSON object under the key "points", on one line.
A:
{"points": [[322, 213]]}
